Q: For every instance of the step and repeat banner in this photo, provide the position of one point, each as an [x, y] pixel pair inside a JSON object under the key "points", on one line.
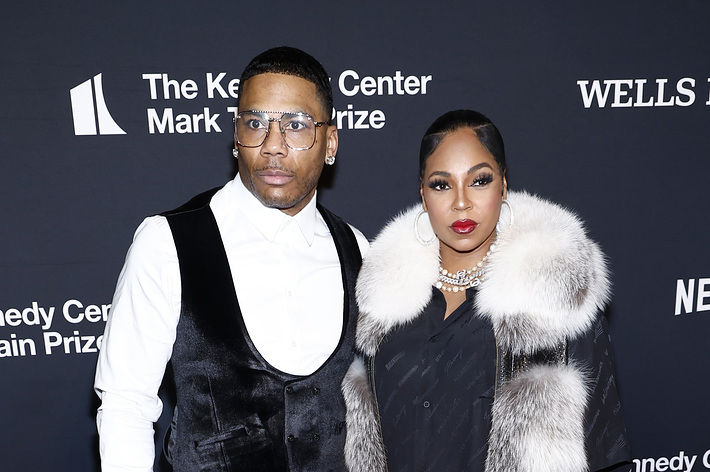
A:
{"points": [[110, 112]]}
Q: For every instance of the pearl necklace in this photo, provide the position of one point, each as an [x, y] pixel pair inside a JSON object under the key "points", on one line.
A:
{"points": [[463, 279]]}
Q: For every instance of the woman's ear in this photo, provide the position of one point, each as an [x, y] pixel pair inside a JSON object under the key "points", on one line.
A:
{"points": [[421, 194]]}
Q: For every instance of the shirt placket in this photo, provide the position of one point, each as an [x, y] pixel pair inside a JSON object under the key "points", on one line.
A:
{"points": [[288, 235]]}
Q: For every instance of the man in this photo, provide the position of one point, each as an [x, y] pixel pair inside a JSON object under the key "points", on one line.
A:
{"points": [[248, 292]]}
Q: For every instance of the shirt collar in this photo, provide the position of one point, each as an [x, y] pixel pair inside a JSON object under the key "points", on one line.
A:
{"points": [[268, 221]]}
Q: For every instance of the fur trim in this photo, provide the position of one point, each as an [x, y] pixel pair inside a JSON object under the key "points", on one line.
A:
{"points": [[538, 422], [395, 280], [364, 449], [546, 280], [544, 284]]}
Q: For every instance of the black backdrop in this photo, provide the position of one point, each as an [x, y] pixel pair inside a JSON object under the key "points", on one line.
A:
{"points": [[604, 107]]}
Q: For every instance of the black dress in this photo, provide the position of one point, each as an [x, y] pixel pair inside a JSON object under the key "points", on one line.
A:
{"points": [[435, 385], [434, 381]]}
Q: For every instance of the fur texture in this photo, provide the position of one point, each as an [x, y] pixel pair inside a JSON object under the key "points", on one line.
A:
{"points": [[538, 419], [363, 450], [395, 280], [545, 283]]}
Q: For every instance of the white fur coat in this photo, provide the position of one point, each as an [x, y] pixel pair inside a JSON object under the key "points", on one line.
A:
{"points": [[545, 284]]}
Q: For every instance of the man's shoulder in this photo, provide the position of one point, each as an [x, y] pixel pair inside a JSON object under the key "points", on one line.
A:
{"points": [[362, 241], [195, 203]]}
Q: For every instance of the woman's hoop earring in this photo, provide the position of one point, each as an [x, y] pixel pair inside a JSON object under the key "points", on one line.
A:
{"points": [[425, 242], [235, 153], [510, 211]]}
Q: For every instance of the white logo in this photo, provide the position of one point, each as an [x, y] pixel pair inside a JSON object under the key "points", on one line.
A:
{"points": [[624, 93], [685, 295], [86, 110]]}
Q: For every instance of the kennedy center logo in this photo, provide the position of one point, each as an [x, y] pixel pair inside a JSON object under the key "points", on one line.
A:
{"points": [[89, 109]]}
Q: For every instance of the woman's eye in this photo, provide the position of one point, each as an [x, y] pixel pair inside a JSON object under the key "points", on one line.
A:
{"points": [[438, 185], [482, 180]]}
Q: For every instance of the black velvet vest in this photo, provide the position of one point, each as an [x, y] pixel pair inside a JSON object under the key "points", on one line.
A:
{"points": [[235, 412]]}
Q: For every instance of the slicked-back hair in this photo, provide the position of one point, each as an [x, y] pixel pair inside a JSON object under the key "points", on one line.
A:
{"points": [[451, 121], [292, 61]]}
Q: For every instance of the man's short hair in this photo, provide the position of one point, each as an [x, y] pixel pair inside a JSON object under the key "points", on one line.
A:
{"points": [[292, 61]]}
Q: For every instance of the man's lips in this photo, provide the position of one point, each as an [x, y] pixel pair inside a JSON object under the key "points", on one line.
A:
{"points": [[463, 226], [274, 176]]}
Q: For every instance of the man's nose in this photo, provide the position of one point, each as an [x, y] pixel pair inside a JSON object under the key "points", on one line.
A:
{"points": [[274, 143]]}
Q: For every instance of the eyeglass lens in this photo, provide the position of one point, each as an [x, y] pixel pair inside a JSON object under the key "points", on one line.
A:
{"points": [[298, 130]]}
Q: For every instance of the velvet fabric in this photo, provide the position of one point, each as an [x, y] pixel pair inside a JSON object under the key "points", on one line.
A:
{"points": [[235, 412]]}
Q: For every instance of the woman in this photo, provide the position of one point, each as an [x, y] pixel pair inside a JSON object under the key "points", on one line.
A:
{"points": [[481, 322]]}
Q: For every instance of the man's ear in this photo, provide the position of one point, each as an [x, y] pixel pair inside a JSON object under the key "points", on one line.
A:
{"points": [[331, 138]]}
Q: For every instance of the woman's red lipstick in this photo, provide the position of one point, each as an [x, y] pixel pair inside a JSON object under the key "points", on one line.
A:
{"points": [[463, 226]]}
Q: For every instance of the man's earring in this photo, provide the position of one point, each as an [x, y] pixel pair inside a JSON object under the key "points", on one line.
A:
{"points": [[235, 153], [330, 160]]}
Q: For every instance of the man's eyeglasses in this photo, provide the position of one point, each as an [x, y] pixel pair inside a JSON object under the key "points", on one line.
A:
{"points": [[298, 129]]}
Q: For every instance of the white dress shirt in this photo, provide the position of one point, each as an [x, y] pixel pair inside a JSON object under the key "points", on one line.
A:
{"points": [[288, 281]]}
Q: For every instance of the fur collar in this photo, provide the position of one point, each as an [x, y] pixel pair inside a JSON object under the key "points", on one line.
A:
{"points": [[545, 281]]}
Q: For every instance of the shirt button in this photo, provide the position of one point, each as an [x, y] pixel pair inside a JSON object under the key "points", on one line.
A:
{"points": [[426, 404], [316, 390], [316, 437], [291, 438], [289, 389]]}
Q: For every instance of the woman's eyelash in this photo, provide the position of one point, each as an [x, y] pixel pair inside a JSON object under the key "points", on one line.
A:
{"points": [[483, 179], [438, 184], [479, 181]]}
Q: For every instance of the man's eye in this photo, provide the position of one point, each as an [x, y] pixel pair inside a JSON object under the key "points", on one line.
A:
{"points": [[255, 124], [295, 125]]}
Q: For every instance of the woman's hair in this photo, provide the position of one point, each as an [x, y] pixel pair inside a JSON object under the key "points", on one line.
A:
{"points": [[455, 120]]}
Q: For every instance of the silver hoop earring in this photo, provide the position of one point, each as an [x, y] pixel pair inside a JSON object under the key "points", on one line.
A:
{"points": [[235, 153], [500, 218], [425, 242], [330, 160]]}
